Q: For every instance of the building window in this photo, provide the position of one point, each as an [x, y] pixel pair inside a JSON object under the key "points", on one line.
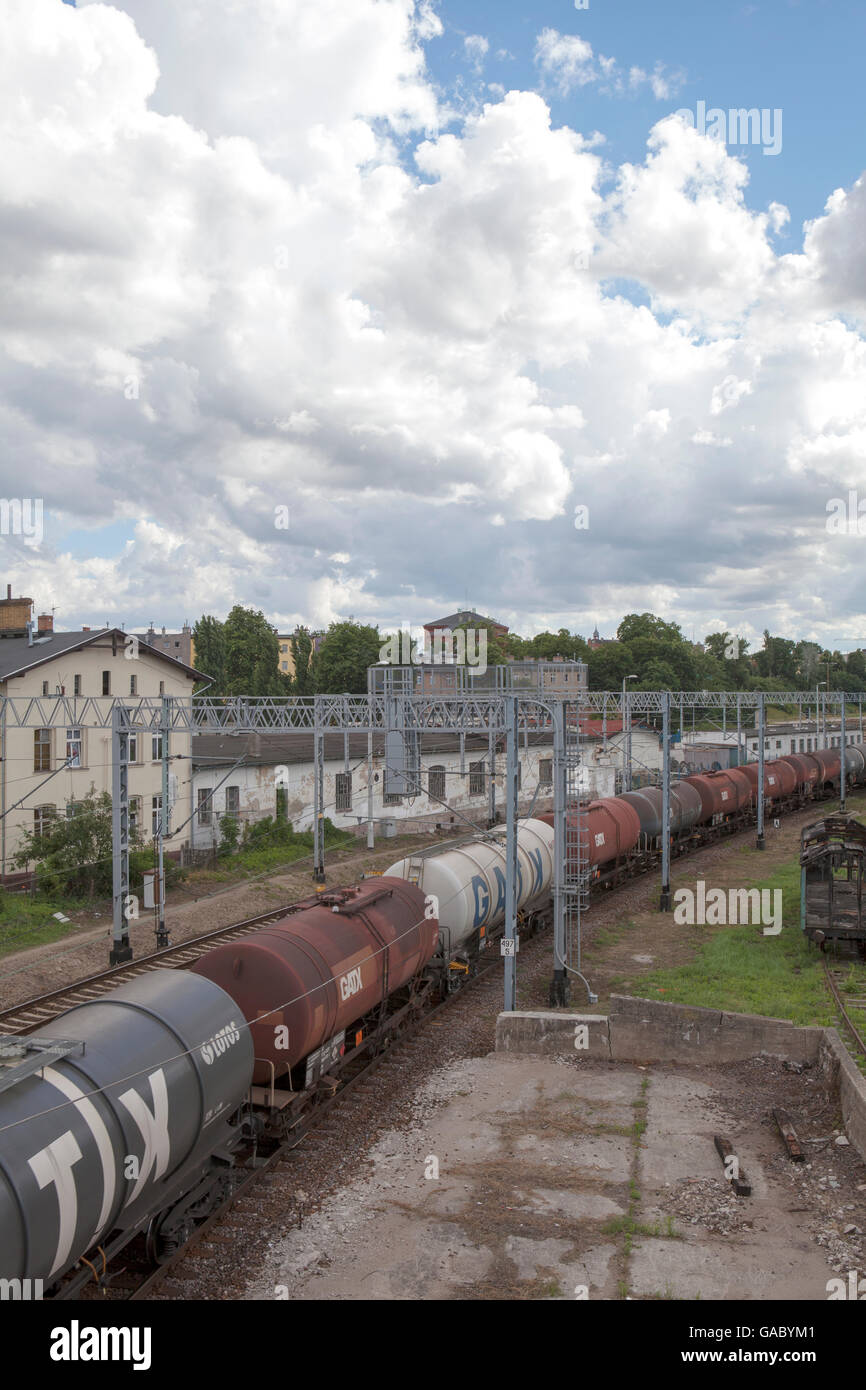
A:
{"points": [[156, 747], [204, 806], [44, 687], [134, 815], [72, 809], [392, 799], [545, 772], [801, 745], [155, 814], [793, 745], [132, 749], [76, 685], [42, 815], [133, 685], [233, 801], [476, 779], [73, 747], [106, 682], [282, 807], [344, 791], [519, 775], [41, 750], [436, 783], [162, 687], [778, 743]]}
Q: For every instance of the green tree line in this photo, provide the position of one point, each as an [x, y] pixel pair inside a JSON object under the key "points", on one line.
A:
{"points": [[241, 655]]}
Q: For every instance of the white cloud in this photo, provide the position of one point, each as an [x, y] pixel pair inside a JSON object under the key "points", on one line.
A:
{"points": [[421, 343], [566, 58]]}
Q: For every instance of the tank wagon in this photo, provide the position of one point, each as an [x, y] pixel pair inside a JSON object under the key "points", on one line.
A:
{"points": [[466, 882], [313, 985], [120, 1134]]}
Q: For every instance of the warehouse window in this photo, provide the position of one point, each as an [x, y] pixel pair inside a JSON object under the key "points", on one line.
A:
{"points": [[476, 779], [41, 817], [545, 772], [73, 747], [233, 800], [204, 806], [106, 682], [343, 791], [41, 750], [436, 782]]}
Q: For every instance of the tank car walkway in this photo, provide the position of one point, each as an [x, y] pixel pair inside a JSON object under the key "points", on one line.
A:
{"points": [[562, 1177]]}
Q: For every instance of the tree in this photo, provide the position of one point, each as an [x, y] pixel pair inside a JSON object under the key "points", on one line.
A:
{"points": [[210, 651], [340, 664], [497, 648], [252, 659], [73, 854], [301, 644]]}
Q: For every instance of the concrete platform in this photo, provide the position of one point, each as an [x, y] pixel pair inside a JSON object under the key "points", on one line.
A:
{"points": [[538, 1178]]}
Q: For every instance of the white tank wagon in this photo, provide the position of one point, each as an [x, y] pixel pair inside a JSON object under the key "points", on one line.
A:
{"points": [[165, 1064], [468, 881]]}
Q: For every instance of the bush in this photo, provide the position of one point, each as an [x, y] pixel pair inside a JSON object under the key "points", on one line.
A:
{"points": [[229, 834]]}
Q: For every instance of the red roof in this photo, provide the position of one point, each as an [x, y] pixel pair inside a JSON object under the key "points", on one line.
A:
{"points": [[594, 727]]}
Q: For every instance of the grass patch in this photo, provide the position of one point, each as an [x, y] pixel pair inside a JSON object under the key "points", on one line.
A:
{"points": [[740, 969], [26, 921]]}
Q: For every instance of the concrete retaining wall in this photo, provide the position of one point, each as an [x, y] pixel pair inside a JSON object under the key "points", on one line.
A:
{"points": [[645, 1030]]}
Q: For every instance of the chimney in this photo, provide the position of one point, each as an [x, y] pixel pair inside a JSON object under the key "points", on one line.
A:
{"points": [[15, 614], [46, 622]]}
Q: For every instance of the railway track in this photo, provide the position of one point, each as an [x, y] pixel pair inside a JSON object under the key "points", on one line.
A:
{"points": [[35, 1013], [836, 977]]}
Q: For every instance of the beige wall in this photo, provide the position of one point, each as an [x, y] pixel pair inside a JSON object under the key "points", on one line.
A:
{"points": [[18, 778]]}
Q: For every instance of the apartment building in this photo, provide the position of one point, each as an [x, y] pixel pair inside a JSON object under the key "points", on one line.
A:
{"points": [[45, 768]]}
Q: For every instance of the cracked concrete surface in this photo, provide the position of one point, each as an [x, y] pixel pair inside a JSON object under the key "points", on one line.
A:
{"points": [[564, 1178]]}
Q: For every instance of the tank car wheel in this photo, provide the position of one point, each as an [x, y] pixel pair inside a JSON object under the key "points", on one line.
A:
{"points": [[161, 1248]]}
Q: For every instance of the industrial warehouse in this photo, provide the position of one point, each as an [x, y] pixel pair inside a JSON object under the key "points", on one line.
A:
{"points": [[432, 675]]}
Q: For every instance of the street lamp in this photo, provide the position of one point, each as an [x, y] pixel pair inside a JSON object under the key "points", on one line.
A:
{"points": [[817, 699], [626, 744]]}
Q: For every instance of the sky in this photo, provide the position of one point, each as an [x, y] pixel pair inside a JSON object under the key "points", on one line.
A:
{"points": [[383, 308]]}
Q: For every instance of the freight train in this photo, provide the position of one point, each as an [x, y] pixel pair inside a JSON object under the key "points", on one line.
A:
{"points": [[622, 835], [162, 1095]]}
